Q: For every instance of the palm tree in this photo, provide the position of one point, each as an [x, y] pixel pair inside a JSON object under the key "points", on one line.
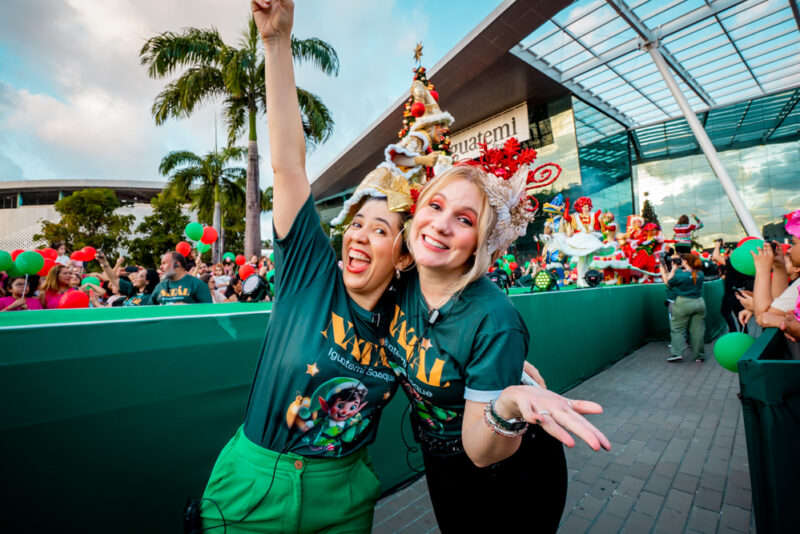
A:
{"points": [[236, 75], [209, 182]]}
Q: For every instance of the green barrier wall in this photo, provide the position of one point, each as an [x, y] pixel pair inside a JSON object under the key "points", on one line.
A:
{"points": [[112, 418], [770, 394]]}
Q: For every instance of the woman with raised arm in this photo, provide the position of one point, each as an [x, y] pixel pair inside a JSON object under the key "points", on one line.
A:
{"points": [[458, 345], [299, 462]]}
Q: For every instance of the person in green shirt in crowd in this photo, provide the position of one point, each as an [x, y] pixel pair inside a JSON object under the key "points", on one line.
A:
{"points": [[458, 346], [178, 286], [689, 310], [299, 462], [137, 289]]}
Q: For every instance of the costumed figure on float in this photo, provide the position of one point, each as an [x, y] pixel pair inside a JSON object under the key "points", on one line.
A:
{"points": [[422, 152], [648, 248], [582, 239], [612, 260], [551, 256]]}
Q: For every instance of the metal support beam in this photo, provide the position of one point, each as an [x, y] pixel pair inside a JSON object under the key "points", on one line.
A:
{"points": [[710, 152], [648, 37], [528, 57], [787, 109], [671, 27], [795, 12]]}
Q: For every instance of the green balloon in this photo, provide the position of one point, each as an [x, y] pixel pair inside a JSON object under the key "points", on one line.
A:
{"points": [[90, 280], [507, 268], [29, 262], [202, 247], [509, 258], [13, 271], [730, 348], [742, 259], [5, 260], [229, 256], [194, 231], [270, 275], [272, 257]]}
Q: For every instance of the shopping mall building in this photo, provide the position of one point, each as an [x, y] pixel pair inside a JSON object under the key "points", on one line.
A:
{"points": [[585, 83]]}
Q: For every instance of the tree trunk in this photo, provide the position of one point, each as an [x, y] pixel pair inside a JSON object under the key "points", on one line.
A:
{"points": [[252, 229]]}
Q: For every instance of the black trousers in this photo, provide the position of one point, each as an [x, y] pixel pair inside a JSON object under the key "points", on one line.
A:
{"points": [[526, 491]]}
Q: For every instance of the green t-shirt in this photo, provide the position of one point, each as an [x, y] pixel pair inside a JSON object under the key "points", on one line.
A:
{"points": [[322, 377], [473, 350], [683, 286], [139, 299], [189, 290]]}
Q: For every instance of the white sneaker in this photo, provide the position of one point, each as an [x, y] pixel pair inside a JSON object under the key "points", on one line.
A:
{"points": [[674, 358]]}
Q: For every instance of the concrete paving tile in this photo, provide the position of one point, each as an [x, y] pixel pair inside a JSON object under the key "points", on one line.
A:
{"points": [[735, 518], [704, 521], [658, 484], [666, 469], [630, 486], [670, 522], [680, 501], [606, 523], [685, 482], [648, 503], [603, 489], [615, 472], [638, 523], [619, 505], [641, 470], [738, 497], [588, 508], [574, 525]]}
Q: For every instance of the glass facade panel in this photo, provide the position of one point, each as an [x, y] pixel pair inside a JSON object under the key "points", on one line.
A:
{"points": [[767, 176]]}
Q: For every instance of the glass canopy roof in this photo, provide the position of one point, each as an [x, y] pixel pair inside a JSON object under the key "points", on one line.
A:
{"points": [[721, 52]]}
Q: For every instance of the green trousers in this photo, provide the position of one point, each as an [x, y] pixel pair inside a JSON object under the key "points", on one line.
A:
{"points": [[305, 494], [688, 313]]}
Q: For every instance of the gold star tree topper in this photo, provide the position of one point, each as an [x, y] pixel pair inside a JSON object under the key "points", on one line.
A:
{"points": [[418, 52]]}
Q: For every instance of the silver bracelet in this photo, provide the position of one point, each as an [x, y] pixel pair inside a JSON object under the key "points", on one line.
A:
{"points": [[500, 426]]}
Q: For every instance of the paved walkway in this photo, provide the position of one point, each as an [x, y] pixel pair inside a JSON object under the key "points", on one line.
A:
{"points": [[678, 462]]}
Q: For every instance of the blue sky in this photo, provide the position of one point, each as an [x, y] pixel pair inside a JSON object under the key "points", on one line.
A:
{"points": [[75, 103]]}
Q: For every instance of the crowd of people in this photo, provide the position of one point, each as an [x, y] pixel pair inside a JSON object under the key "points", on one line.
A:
{"points": [[177, 280]]}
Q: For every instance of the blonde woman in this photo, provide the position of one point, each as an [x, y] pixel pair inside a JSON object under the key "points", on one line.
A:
{"points": [[458, 346]]}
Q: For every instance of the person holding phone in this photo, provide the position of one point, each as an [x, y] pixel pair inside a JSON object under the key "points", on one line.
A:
{"points": [[689, 310]]}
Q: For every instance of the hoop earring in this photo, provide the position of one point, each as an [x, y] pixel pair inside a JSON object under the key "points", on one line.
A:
{"points": [[413, 264]]}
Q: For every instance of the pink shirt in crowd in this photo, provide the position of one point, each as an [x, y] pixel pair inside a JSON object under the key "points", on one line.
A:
{"points": [[51, 299], [32, 302]]}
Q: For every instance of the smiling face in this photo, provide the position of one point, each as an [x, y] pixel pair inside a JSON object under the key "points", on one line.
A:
{"points": [[64, 276], [444, 233], [371, 248]]}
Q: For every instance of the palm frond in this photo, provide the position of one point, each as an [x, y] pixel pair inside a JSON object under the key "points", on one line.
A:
{"points": [[235, 113], [317, 121], [180, 97], [178, 158], [317, 52], [238, 69], [167, 51]]}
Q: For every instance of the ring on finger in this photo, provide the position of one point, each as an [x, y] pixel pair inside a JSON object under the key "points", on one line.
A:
{"points": [[543, 412], [569, 403]]}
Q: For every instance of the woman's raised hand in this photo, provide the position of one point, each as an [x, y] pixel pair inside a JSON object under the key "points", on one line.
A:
{"points": [[763, 258], [273, 18], [557, 415]]}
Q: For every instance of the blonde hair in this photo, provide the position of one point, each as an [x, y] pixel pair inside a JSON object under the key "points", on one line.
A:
{"points": [[51, 282], [478, 263]]}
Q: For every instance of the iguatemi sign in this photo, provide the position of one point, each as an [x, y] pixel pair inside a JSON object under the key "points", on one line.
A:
{"points": [[493, 131]]}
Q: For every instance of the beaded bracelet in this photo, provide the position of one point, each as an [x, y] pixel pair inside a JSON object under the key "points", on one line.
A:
{"points": [[503, 427]]}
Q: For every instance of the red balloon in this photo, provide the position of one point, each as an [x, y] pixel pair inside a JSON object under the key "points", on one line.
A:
{"points": [[209, 235], [78, 255], [513, 265], [418, 109], [16, 253], [246, 271], [48, 264], [89, 253], [744, 240], [74, 299], [184, 248], [48, 253], [240, 260]]}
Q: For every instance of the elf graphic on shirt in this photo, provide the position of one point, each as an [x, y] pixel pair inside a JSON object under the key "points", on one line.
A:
{"points": [[340, 401], [428, 414]]}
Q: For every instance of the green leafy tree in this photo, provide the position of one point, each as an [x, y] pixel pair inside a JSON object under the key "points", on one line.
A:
{"points": [[213, 70], [159, 232], [88, 218], [209, 182]]}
